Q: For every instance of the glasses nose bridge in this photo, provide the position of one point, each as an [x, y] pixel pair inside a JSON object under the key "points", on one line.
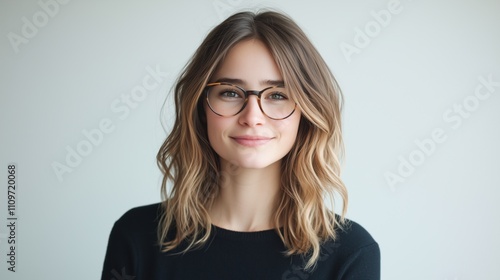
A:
{"points": [[257, 94], [254, 92]]}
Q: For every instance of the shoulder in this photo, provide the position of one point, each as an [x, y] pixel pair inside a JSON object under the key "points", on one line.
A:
{"points": [[352, 234], [151, 211], [354, 244], [132, 239], [139, 220], [352, 240], [354, 254]]}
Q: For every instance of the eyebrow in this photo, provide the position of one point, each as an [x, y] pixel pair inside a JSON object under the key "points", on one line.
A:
{"points": [[242, 82]]}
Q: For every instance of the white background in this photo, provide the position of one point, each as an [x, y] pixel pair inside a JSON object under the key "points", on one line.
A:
{"points": [[404, 81]]}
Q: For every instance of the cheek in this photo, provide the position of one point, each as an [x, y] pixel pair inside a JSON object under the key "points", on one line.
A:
{"points": [[215, 128], [211, 129], [289, 128]]}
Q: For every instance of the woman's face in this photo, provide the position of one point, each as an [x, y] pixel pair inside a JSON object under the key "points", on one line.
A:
{"points": [[250, 139]]}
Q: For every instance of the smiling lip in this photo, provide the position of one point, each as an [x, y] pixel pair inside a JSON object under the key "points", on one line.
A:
{"points": [[251, 141]]}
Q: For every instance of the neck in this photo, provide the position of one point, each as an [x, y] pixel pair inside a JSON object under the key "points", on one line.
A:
{"points": [[248, 198]]}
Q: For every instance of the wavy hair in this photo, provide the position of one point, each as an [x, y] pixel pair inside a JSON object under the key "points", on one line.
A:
{"points": [[310, 171]]}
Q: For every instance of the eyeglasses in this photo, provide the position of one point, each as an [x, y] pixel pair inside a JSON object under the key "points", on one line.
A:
{"points": [[226, 100]]}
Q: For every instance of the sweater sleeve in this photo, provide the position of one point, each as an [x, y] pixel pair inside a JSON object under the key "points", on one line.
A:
{"points": [[363, 264], [119, 260]]}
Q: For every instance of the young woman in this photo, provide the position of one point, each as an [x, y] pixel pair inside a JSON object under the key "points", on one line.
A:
{"points": [[252, 159]]}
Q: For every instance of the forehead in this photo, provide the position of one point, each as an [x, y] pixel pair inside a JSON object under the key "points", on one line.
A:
{"points": [[249, 61]]}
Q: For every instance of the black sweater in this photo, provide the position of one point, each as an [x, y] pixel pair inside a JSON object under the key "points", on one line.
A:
{"points": [[133, 253]]}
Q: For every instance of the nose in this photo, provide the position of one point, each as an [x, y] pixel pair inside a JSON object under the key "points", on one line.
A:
{"points": [[252, 114]]}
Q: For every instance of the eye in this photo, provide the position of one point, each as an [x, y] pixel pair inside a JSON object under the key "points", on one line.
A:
{"points": [[277, 95], [229, 94]]}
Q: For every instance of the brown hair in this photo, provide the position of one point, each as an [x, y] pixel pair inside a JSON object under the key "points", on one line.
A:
{"points": [[310, 171]]}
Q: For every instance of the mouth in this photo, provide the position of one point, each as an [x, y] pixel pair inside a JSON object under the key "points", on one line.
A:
{"points": [[251, 141]]}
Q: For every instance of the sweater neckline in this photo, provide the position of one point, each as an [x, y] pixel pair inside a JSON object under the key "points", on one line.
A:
{"points": [[261, 234]]}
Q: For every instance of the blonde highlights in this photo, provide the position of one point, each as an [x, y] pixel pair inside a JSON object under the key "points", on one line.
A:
{"points": [[310, 171]]}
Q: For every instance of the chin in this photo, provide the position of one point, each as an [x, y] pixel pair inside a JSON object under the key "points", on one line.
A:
{"points": [[249, 164]]}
